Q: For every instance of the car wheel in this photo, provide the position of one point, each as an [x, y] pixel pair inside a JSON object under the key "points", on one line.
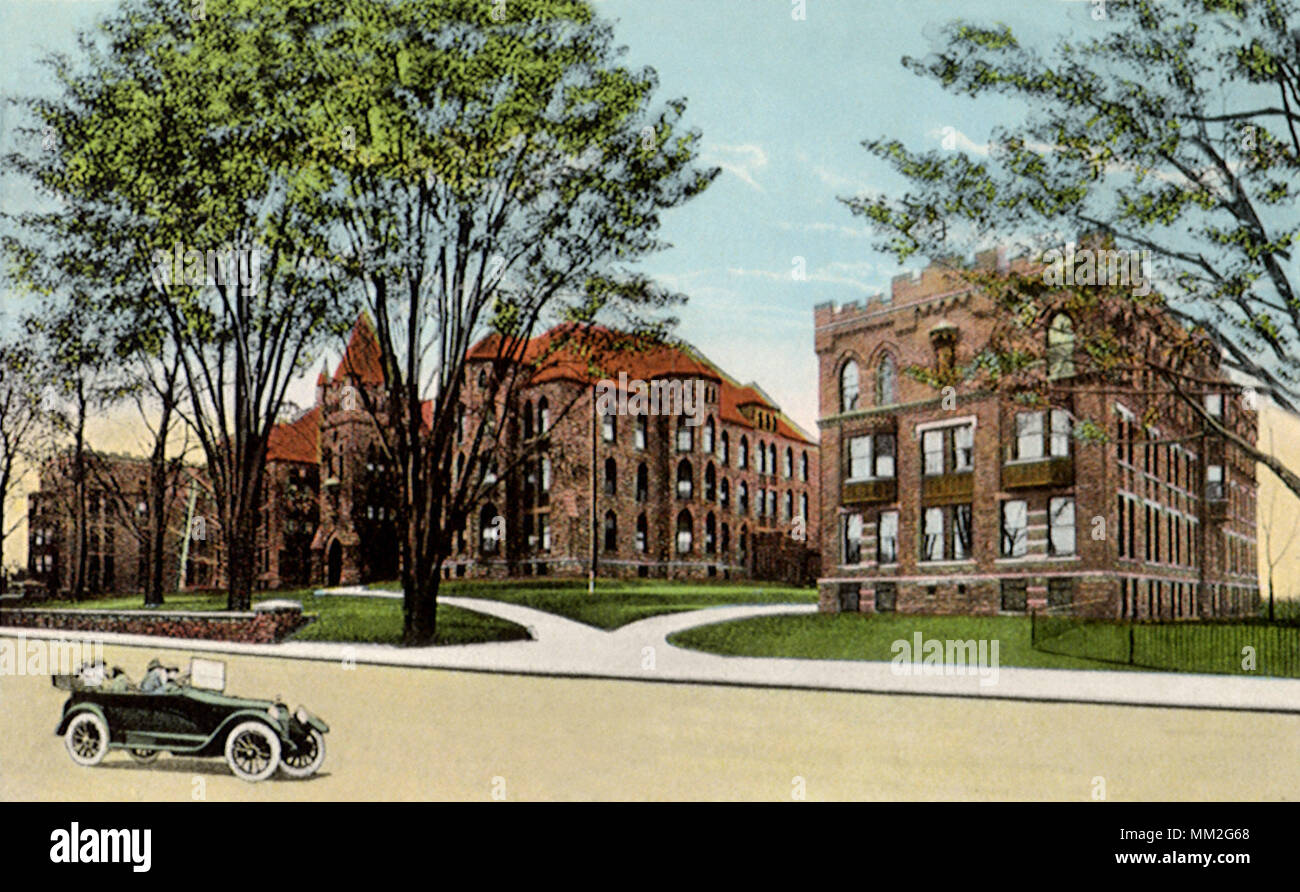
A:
{"points": [[144, 756], [87, 739], [252, 751], [307, 761]]}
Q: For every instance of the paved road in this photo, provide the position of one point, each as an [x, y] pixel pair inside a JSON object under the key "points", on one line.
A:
{"points": [[418, 734]]}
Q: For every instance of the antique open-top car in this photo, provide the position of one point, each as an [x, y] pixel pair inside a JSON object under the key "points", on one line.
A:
{"points": [[186, 714]]}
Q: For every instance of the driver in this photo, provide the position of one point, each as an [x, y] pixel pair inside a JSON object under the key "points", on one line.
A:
{"points": [[155, 679]]}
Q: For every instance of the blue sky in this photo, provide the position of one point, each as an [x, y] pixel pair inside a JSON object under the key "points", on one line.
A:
{"points": [[783, 105]]}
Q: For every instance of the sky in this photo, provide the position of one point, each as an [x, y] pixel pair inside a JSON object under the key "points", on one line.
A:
{"points": [[783, 93]]}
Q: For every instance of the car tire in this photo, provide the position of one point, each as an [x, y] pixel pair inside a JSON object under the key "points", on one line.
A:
{"points": [[305, 764], [252, 751], [86, 739], [144, 757]]}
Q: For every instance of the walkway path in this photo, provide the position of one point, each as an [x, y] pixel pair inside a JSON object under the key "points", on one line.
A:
{"points": [[640, 651]]}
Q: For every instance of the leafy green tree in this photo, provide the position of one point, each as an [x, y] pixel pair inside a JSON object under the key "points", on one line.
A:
{"points": [[494, 170], [1157, 127]]}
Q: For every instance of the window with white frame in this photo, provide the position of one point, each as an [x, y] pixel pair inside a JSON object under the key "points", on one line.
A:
{"points": [[887, 538], [852, 533]]}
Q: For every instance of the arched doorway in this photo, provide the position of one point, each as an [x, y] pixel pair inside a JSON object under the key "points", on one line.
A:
{"points": [[334, 563]]}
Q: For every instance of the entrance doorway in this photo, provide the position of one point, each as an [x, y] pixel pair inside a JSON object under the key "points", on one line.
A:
{"points": [[334, 563]]}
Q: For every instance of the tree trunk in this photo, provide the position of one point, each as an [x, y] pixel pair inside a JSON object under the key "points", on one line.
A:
{"points": [[157, 526], [420, 596], [240, 569]]}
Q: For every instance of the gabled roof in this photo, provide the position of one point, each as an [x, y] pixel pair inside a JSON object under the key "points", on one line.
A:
{"points": [[296, 441]]}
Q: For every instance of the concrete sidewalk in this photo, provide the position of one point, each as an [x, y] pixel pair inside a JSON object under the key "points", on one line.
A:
{"points": [[639, 651]]}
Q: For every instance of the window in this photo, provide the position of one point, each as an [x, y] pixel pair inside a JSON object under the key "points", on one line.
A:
{"points": [[709, 429], [489, 529], [886, 597], [607, 427], [724, 493], [710, 482], [1060, 435], [789, 505], [789, 463], [886, 381], [1214, 483], [685, 480], [726, 539], [543, 416], [1061, 537], [771, 459], [771, 503], [932, 534], [684, 533], [1029, 435], [803, 467], [1060, 347], [1015, 528], [611, 531], [639, 431], [642, 482], [946, 533], [546, 473], [611, 477], [1060, 592], [887, 538], [685, 437], [1015, 595], [849, 386], [853, 534], [742, 497], [744, 453], [948, 450], [642, 534], [724, 451], [860, 458], [762, 457], [803, 506], [1214, 405], [710, 534]]}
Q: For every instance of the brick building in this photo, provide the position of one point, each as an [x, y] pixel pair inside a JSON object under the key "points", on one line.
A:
{"points": [[116, 489], [733, 497], [971, 502]]}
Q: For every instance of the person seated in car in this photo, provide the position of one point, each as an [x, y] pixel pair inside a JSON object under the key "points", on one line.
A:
{"points": [[155, 678]]}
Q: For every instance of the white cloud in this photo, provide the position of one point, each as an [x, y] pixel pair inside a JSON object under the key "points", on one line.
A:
{"points": [[742, 160]]}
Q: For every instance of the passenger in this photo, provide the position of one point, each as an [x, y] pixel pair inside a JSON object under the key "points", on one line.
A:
{"points": [[118, 682], [155, 679]]}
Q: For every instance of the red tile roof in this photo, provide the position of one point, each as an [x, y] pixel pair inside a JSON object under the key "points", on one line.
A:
{"points": [[296, 441], [361, 360]]}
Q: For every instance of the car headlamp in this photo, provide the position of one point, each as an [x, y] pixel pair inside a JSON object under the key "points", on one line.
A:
{"points": [[301, 715]]}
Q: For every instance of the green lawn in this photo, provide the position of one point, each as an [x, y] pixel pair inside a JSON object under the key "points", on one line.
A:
{"points": [[617, 603], [1183, 647], [342, 618]]}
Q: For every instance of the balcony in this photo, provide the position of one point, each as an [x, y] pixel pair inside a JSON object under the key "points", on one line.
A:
{"points": [[866, 492], [1040, 472], [948, 489]]}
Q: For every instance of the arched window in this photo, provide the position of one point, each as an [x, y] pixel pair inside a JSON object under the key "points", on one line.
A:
{"points": [[724, 452], [803, 506], [803, 466], [725, 547], [611, 531], [744, 453], [685, 436], [886, 381], [684, 533], [642, 482], [528, 419], [849, 386], [789, 505], [710, 482], [639, 426], [489, 529], [771, 459], [543, 416], [709, 429], [743, 553], [724, 493], [685, 480], [611, 477], [1060, 347], [762, 457], [710, 534], [742, 497], [789, 463], [608, 428], [642, 534]]}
